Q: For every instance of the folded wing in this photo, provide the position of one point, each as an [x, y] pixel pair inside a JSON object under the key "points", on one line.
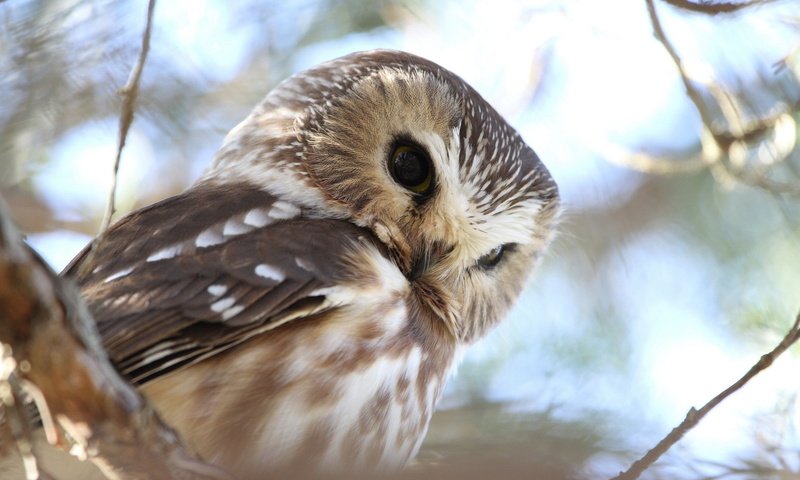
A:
{"points": [[199, 273]]}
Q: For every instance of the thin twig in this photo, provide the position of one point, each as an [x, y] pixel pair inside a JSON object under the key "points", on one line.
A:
{"points": [[694, 416], [714, 8], [659, 164], [129, 93], [694, 94], [737, 131]]}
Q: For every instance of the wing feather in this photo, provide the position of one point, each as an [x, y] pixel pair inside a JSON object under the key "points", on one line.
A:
{"points": [[163, 300]]}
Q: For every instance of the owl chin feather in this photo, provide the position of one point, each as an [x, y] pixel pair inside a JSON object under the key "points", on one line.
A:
{"points": [[301, 305]]}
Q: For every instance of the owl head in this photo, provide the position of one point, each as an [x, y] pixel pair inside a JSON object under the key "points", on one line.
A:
{"points": [[407, 150]]}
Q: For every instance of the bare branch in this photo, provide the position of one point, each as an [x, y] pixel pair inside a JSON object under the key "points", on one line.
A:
{"points": [[714, 8], [655, 163], [694, 416], [693, 93], [723, 145], [52, 350], [129, 92]]}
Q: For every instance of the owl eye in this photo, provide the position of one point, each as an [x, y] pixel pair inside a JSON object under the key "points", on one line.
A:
{"points": [[492, 258], [411, 168]]}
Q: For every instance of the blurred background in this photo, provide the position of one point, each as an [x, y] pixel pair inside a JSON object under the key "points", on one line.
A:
{"points": [[678, 260]]}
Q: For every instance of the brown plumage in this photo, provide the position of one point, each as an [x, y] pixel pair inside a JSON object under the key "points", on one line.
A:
{"points": [[302, 304]]}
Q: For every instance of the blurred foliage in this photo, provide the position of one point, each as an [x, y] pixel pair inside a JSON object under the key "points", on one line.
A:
{"points": [[493, 434], [63, 61]]}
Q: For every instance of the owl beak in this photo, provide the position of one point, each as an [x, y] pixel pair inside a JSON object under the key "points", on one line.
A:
{"points": [[413, 264], [424, 260]]}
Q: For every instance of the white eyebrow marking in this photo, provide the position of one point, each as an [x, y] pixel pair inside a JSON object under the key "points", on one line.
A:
{"points": [[267, 271], [257, 217], [209, 237], [232, 312], [166, 253], [308, 267], [234, 227], [283, 210], [217, 290], [117, 275], [224, 304]]}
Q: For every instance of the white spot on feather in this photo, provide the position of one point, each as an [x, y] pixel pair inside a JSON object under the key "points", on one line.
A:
{"points": [[257, 217], [217, 290], [235, 227], [270, 272], [336, 296], [283, 210], [166, 253], [208, 238], [232, 312], [222, 305], [153, 358], [117, 275]]}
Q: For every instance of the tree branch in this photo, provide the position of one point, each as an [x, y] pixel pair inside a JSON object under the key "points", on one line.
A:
{"points": [[52, 353], [694, 416], [130, 93], [720, 145], [693, 93], [714, 8]]}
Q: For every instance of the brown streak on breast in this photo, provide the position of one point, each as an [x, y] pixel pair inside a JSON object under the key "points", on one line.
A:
{"points": [[322, 392], [374, 414], [401, 389], [438, 348], [351, 446], [370, 331], [350, 358], [314, 444], [375, 450]]}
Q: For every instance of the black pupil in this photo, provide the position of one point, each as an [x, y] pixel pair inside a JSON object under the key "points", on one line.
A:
{"points": [[410, 168]]}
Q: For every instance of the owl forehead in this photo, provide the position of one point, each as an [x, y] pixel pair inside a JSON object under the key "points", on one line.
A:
{"points": [[387, 104], [393, 93]]}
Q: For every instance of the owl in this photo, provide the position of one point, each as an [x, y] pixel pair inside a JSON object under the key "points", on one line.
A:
{"points": [[302, 304]]}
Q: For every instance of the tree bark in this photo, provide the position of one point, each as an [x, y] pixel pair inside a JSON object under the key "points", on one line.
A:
{"points": [[52, 353]]}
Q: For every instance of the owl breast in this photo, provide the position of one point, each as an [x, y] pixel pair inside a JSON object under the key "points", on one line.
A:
{"points": [[354, 390]]}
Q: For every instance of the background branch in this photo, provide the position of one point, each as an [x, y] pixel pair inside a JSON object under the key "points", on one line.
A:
{"points": [[693, 93], [714, 8], [129, 94], [694, 416], [725, 149]]}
